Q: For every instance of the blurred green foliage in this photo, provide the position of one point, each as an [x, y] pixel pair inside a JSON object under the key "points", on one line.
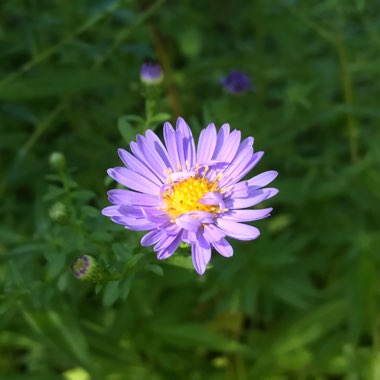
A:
{"points": [[301, 302]]}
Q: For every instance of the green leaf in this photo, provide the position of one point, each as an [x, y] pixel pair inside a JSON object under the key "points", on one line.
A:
{"points": [[125, 287], [194, 335], [71, 334], [156, 269], [180, 261], [55, 265], [122, 251], [160, 117], [111, 293], [126, 129]]}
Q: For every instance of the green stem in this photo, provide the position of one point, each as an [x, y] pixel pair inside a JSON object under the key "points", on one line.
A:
{"points": [[41, 128], [241, 373], [150, 105], [66, 187], [347, 87]]}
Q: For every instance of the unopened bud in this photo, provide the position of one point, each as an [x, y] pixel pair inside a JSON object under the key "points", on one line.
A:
{"points": [[220, 362], [87, 268], [237, 83], [59, 213], [57, 161], [151, 74]]}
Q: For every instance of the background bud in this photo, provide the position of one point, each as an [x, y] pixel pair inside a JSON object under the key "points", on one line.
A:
{"points": [[151, 73], [59, 212], [57, 161], [87, 268], [237, 82]]}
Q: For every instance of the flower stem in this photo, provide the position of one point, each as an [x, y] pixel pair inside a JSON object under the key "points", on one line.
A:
{"points": [[150, 105], [352, 123], [241, 373], [164, 58]]}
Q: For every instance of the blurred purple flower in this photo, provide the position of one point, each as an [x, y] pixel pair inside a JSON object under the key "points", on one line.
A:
{"points": [[236, 82], [151, 73], [180, 193]]}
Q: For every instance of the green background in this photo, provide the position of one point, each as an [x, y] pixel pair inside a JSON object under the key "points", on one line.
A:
{"points": [[299, 303]]}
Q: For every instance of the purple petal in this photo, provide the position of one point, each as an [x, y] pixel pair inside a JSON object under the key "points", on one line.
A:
{"points": [[171, 228], [135, 211], [180, 176], [262, 179], [206, 144], [189, 237], [252, 199], [133, 180], [111, 211], [223, 247], [158, 146], [140, 155], [238, 231], [188, 145], [187, 222], [215, 236], [164, 242], [202, 216], [228, 150], [132, 223], [167, 245], [221, 139], [212, 199], [201, 254], [271, 192], [247, 215], [152, 158], [136, 216], [164, 253], [121, 196], [246, 169], [245, 188], [171, 145], [242, 163], [158, 220], [180, 141], [212, 233], [238, 190], [152, 237], [134, 164]]}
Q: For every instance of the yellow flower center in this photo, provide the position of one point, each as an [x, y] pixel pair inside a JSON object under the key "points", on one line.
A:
{"points": [[184, 196]]}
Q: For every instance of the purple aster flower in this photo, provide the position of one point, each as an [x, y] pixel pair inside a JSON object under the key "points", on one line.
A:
{"points": [[151, 73], [236, 82], [183, 193]]}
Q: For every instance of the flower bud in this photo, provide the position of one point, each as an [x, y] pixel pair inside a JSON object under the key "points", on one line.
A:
{"points": [[87, 268], [220, 362], [236, 82], [59, 213], [57, 161], [151, 74]]}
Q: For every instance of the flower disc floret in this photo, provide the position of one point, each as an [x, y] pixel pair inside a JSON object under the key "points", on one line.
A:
{"points": [[185, 197]]}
